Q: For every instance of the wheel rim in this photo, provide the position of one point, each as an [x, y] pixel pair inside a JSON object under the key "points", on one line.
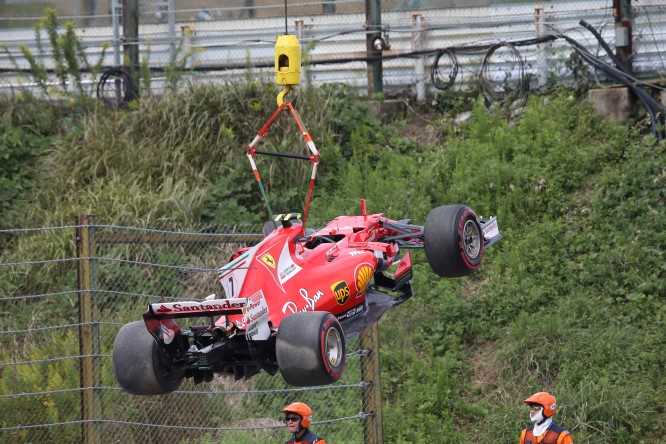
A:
{"points": [[471, 239], [333, 346]]}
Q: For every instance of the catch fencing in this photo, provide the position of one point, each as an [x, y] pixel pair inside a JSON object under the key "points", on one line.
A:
{"points": [[426, 45], [67, 292]]}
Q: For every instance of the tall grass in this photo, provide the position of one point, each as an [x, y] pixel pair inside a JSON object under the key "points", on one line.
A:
{"points": [[68, 55]]}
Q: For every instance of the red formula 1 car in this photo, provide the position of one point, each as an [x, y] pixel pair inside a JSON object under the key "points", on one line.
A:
{"points": [[292, 301]]}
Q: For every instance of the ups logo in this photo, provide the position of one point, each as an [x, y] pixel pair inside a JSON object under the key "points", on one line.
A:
{"points": [[341, 291]]}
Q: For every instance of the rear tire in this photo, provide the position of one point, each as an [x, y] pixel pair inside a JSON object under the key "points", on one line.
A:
{"points": [[453, 241], [140, 366], [310, 349]]}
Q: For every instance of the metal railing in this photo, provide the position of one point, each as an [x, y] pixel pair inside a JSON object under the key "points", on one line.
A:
{"points": [[223, 45]]}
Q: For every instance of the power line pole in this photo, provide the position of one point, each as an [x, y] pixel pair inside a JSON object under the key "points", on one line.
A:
{"points": [[130, 22], [623, 38], [374, 45]]}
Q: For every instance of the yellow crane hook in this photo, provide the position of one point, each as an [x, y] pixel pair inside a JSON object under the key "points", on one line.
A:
{"points": [[287, 64]]}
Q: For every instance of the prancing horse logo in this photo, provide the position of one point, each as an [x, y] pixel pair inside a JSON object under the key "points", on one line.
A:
{"points": [[268, 260]]}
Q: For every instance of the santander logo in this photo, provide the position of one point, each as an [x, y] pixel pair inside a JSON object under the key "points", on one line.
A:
{"points": [[198, 307]]}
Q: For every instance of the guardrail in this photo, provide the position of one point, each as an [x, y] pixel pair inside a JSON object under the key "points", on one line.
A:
{"points": [[335, 47]]}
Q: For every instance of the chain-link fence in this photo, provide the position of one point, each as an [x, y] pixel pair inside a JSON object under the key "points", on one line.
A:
{"points": [[67, 295], [339, 39]]}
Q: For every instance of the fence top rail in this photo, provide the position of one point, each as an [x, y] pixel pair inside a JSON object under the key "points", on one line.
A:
{"points": [[173, 237], [235, 234], [240, 228], [360, 415]]}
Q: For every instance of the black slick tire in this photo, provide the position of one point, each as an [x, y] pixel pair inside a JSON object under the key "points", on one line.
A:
{"points": [[139, 365], [453, 241], [310, 349]]}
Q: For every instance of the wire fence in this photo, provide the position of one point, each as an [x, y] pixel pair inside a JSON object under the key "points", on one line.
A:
{"points": [[230, 42], [65, 295]]}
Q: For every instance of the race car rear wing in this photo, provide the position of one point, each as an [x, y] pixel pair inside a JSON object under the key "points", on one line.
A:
{"points": [[192, 309]]}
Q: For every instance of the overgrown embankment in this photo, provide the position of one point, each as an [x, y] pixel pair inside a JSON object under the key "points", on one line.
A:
{"points": [[570, 301]]}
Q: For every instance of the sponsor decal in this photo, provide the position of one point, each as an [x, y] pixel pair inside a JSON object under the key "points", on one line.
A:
{"points": [[341, 291], [310, 302], [491, 229], [164, 330], [363, 275], [255, 314], [287, 272], [286, 268], [198, 307], [282, 269], [290, 307], [268, 260], [356, 253], [354, 311], [166, 334]]}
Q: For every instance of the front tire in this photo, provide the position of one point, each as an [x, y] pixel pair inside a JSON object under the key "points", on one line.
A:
{"points": [[140, 366], [453, 241], [310, 349]]}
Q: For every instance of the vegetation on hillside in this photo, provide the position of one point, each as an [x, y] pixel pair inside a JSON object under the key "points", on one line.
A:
{"points": [[570, 301]]}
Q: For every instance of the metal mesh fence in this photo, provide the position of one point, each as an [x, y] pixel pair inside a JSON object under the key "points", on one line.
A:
{"points": [[59, 318]]}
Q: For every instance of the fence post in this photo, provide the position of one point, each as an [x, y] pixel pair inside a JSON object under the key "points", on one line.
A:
{"points": [[373, 20], [130, 23], [116, 11], [541, 56], [88, 333], [172, 27], [418, 44], [372, 392], [623, 39]]}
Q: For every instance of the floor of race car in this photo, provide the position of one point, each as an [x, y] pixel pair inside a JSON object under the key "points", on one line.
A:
{"points": [[378, 304]]}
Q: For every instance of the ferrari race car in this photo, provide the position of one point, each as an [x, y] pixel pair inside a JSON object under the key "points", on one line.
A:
{"points": [[293, 300]]}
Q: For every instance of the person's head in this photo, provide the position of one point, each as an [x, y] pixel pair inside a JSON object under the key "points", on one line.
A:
{"points": [[543, 405], [297, 416]]}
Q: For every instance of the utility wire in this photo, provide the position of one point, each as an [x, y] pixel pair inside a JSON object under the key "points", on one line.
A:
{"points": [[621, 74]]}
